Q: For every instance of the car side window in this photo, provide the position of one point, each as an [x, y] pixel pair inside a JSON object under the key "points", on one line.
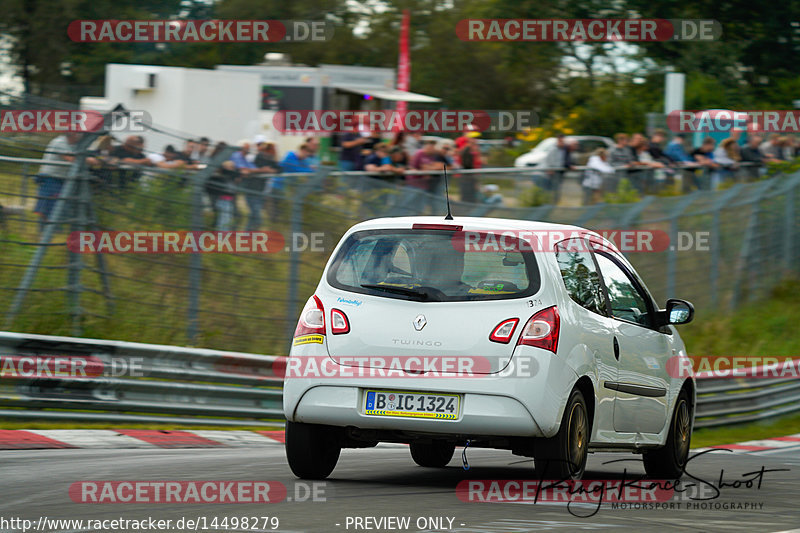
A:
{"points": [[627, 302], [580, 275]]}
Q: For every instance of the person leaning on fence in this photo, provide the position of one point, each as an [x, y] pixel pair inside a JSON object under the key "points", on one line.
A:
{"points": [[350, 145], [399, 159], [202, 153], [102, 169], [650, 169], [169, 159], [260, 188], [684, 161], [379, 165], [727, 155], [704, 156], [597, 171], [383, 174], [221, 189], [621, 154], [51, 177], [752, 157], [130, 152], [772, 149]]}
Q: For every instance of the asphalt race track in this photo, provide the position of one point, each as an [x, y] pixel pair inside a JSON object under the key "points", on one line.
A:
{"points": [[384, 482]]}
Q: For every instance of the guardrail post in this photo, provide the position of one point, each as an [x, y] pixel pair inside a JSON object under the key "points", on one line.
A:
{"points": [[746, 253], [716, 243], [79, 222], [23, 201], [56, 216], [296, 227], [672, 253], [788, 229], [196, 261]]}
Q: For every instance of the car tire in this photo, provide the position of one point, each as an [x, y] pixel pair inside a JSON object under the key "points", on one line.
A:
{"points": [[435, 454], [311, 450], [563, 456], [669, 461]]}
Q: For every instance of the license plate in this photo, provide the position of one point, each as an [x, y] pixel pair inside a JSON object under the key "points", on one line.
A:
{"points": [[411, 404]]}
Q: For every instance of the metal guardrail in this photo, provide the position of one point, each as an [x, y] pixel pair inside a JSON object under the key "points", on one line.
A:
{"points": [[725, 401], [135, 382], [172, 384]]}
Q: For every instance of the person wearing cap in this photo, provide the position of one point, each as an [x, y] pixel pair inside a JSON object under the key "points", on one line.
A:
{"points": [[469, 133]]}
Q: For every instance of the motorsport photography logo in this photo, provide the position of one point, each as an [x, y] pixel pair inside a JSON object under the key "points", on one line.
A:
{"points": [[585, 498]]}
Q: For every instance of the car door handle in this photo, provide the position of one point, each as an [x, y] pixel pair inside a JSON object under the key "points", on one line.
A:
{"points": [[616, 349]]}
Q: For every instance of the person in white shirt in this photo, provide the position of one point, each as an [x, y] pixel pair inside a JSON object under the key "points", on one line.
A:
{"points": [[597, 169]]}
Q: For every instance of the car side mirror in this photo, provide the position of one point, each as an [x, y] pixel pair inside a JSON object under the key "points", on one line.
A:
{"points": [[677, 312]]}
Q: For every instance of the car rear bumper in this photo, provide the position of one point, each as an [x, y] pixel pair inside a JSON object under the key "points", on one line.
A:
{"points": [[528, 405]]}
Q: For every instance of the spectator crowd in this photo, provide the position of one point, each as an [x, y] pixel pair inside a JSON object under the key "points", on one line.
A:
{"points": [[256, 172], [646, 162]]}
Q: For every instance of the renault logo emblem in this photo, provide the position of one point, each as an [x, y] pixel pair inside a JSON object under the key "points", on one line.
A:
{"points": [[420, 322]]}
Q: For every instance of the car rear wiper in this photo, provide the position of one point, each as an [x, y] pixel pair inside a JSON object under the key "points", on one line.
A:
{"points": [[422, 294]]}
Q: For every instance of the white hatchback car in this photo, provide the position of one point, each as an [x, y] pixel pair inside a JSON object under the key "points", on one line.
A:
{"points": [[536, 338]]}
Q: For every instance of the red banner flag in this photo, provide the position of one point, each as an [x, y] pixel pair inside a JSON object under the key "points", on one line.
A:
{"points": [[404, 62]]}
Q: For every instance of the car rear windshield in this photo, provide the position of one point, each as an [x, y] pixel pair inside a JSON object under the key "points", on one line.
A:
{"points": [[430, 265]]}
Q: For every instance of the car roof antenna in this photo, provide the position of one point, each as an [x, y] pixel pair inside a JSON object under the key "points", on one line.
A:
{"points": [[447, 194]]}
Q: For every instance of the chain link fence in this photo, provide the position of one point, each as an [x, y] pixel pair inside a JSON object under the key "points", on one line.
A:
{"points": [[726, 247]]}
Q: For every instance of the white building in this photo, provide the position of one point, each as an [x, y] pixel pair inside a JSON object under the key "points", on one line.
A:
{"points": [[234, 102], [184, 102]]}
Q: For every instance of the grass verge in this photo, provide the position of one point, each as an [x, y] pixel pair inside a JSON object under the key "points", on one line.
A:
{"points": [[776, 427]]}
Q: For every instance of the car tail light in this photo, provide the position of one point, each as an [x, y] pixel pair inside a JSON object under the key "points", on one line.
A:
{"points": [[339, 322], [542, 330], [312, 319], [504, 331]]}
